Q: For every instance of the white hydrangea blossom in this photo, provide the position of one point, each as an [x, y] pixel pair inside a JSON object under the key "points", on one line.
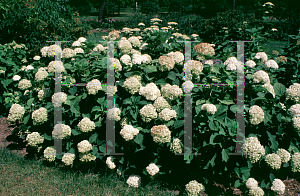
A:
{"points": [[194, 67], [43, 94], [270, 88], [76, 43], [171, 92], [59, 98], [94, 86], [84, 146], [111, 90], [177, 56], [295, 162], [53, 49], [16, 78], [250, 64], [146, 58], [256, 115], [152, 169], [68, 53], [167, 114], [296, 122], [284, 155], [148, 113], [68, 158], [273, 160], [128, 132], [231, 63], [110, 164], [193, 188], [166, 63], [187, 86], [175, 146], [39, 116], [133, 84], [16, 112], [78, 50], [209, 62], [34, 139], [86, 157], [134, 41], [114, 114], [256, 192], [295, 110], [61, 131], [24, 84], [81, 39], [150, 91], [261, 55], [116, 63], [261, 76], [137, 59], [55, 65], [50, 154], [161, 134], [293, 92], [278, 186], [134, 181], [86, 125], [253, 149], [29, 67], [210, 108], [251, 183], [126, 59], [271, 64], [160, 103], [44, 51], [125, 46], [99, 48], [133, 51]]}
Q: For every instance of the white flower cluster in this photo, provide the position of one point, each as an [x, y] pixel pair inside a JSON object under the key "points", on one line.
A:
{"points": [[114, 114], [160, 103], [84, 146], [161, 134], [193, 188], [43, 94], [81, 39], [262, 56], [295, 110], [193, 67], [177, 56], [150, 91], [86, 125], [253, 149], [148, 113], [24, 84], [44, 51], [270, 88], [125, 46], [166, 63], [284, 155], [273, 160], [278, 186], [232, 63], [59, 98], [144, 46], [171, 92], [256, 192], [126, 59], [110, 164], [133, 51], [52, 50], [134, 181], [99, 48], [39, 116], [86, 157], [204, 49], [128, 132], [251, 183], [271, 64], [68, 158], [187, 86], [34, 139], [133, 84], [256, 115], [68, 53], [167, 114], [94, 86], [293, 92], [261, 76], [210, 108], [56, 65], [209, 62], [116, 63], [41, 75], [113, 35], [175, 146], [134, 41], [295, 162], [250, 63], [16, 112], [152, 169], [137, 59], [50, 154], [29, 67], [296, 122], [61, 131], [76, 43], [111, 90], [79, 51], [16, 78]]}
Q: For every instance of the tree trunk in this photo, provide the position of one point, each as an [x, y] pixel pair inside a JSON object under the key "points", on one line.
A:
{"points": [[101, 15]]}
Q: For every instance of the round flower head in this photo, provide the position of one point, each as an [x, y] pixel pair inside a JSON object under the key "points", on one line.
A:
{"points": [[81, 39], [78, 50], [150, 91], [284, 155], [86, 157], [137, 59], [99, 48], [296, 122], [110, 164], [68, 53], [270, 88], [250, 64], [68, 158], [194, 188], [29, 67], [50, 154], [295, 110], [262, 56], [61, 131], [171, 92], [251, 183], [55, 65], [39, 116], [175, 146], [193, 67], [116, 63], [166, 63], [44, 51], [146, 58], [148, 113], [161, 134], [128, 132], [152, 169], [113, 114], [86, 125], [125, 46], [204, 49], [126, 59], [256, 115], [187, 86], [84, 146], [160, 103], [293, 92], [273, 160], [59, 98], [134, 41], [134, 181], [41, 75], [16, 78], [133, 84], [94, 86], [111, 90], [36, 58], [209, 62], [271, 64], [53, 50], [177, 56], [24, 84], [278, 187], [113, 35], [167, 114], [210, 108], [253, 149], [256, 192], [76, 43], [34, 139], [16, 112], [261, 76]]}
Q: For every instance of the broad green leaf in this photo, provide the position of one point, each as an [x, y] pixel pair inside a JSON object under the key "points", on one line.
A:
{"points": [[151, 69], [94, 150], [26, 119], [169, 123], [73, 90], [96, 108], [178, 123], [199, 102], [293, 148], [75, 132], [221, 109], [279, 89], [72, 151], [29, 102], [142, 103], [93, 138], [225, 156], [227, 102], [272, 177], [74, 110], [102, 149], [172, 75], [47, 137], [139, 139], [237, 184], [161, 82]]}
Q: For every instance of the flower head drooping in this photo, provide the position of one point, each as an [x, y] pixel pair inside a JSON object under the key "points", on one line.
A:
{"points": [[261, 76], [250, 64], [271, 64], [161, 134], [262, 56], [270, 88], [253, 149], [128, 132], [194, 188]]}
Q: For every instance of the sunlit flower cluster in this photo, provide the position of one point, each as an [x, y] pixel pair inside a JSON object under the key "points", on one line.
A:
{"points": [[166, 63], [150, 91], [177, 56], [16, 112], [271, 64], [293, 92], [253, 149], [256, 114], [34, 139], [261, 76], [193, 188], [251, 183], [148, 113], [39, 116], [68, 53], [110, 164], [41, 75], [284, 155], [167, 114], [125, 46], [24, 84], [135, 42], [250, 63], [133, 84], [134, 181], [84, 146], [52, 50], [187, 86], [273, 160], [262, 56], [152, 169], [61, 131], [160, 103], [94, 86], [210, 108], [68, 158], [126, 59], [171, 92], [59, 98], [270, 88], [55, 65], [114, 114], [278, 186], [99, 48], [128, 132], [79, 51], [175, 146], [161, 134], [50, 154], [86, 125]]}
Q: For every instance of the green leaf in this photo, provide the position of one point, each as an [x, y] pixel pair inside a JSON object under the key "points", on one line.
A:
{"points": [[94, 150], [161, 82], [227, 102], [170, 123], [225, 156], [73, 90], [172, 75], [30, 101], [293, 148], [101, 101], [237, 184], [272, 177], [93, 138], [151, 69], [75, 132], [212, 126], [221, 109], [47, 137], [142, 103], [96, 108], [139, 139], [74, 110], [72, 151], [178, 123], [26, 119], [279, 89], [102, 149], [127, 101], [246, 175], [211, 162], [199, 102]]}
